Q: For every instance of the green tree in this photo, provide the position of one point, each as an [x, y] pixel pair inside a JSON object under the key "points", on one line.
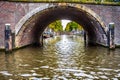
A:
{"points": [[73, 26], [56, 26]]}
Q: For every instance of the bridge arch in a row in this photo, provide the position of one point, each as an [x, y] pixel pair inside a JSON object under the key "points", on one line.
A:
{"points": [[31, 26]]}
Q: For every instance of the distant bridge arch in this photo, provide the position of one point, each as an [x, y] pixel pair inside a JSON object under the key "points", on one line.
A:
{"points": [[31, 26]]}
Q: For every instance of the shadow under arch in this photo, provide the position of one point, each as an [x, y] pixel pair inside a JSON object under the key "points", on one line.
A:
{"points": [[31, 26]]}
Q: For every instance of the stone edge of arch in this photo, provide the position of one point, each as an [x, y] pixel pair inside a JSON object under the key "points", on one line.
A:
{"points": [[33, 12], [20, 24]]}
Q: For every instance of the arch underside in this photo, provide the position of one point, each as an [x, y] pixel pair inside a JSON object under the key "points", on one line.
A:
{"points": [[34, 27]]}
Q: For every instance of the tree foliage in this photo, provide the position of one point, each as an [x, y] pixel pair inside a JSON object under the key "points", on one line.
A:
{"points": [[73, 26], [56, 26]]}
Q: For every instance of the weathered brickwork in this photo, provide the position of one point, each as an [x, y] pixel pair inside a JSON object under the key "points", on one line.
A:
{"points": [[27, 37], [109, 14], [12, 12], [6, 16]]}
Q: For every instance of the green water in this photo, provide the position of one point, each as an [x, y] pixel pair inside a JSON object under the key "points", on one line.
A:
{"points": [[61, 58]]}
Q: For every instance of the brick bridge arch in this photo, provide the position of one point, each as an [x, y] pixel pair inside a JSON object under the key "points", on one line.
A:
{"points": [[31, 26]]}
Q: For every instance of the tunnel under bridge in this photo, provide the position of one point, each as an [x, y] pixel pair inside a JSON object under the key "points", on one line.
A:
{"points": [[31, 26]]}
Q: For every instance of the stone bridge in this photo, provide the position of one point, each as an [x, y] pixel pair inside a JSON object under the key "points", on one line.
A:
{"points": [[28, 20]]}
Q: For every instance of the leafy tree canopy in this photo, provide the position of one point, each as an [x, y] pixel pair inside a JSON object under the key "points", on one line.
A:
{"points": [[73, 26], [56, 26]]}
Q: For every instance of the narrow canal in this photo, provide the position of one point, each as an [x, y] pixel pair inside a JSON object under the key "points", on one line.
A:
{"points": [[61, 58]]}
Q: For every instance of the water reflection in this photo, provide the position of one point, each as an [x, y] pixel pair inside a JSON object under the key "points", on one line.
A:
{"points": [[61, 58]]}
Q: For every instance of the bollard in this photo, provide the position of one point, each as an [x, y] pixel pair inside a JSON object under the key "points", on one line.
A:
{"points": [[13, 39], [84, 38], [41, 40], [110, 34], [8, 38]]}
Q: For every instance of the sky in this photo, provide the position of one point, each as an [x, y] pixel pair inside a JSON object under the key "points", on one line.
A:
{"points": [[64, 23]]}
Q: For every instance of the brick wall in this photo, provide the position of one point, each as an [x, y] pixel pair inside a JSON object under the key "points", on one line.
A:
{"points": [[109, 14], [11, 12]]}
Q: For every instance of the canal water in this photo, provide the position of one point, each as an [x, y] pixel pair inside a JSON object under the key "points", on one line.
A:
{"points": [[61, 58]]}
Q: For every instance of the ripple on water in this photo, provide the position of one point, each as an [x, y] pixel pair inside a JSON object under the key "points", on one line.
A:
{"points": [[118, 75], [103, 77], [35, 78], [25, 65], [69, 70], [35, 74], [45, 78], [83, 75], [114, 78], [30, 75], [100, 72], [61, 78], [93, 73], [117, 70], [32, 70], [36, 68], [105, 69], [26, 75], [44, 67], [6, 73], [62, 60], [118, 64]]}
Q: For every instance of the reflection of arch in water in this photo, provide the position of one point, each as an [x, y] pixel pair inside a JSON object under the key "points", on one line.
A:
{"points": [[31, 26]]}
